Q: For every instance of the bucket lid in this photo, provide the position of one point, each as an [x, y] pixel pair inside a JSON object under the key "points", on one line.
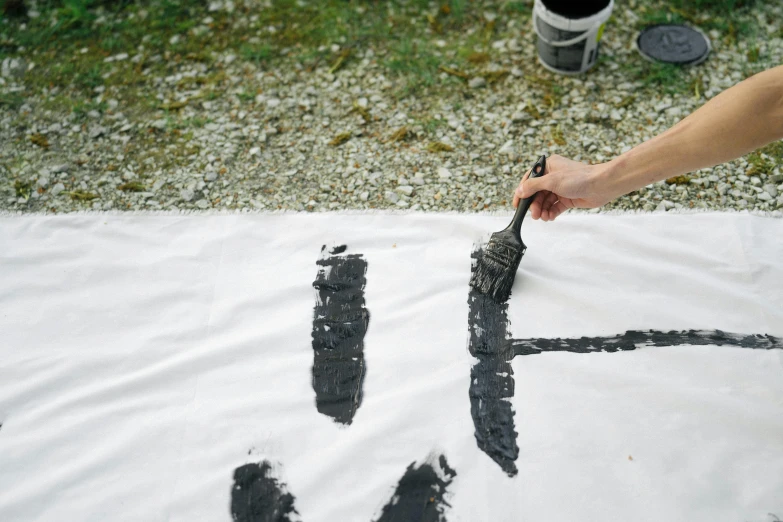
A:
{"points": [[673, 43]]}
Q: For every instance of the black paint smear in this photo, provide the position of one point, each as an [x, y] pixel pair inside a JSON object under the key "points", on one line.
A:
{"points": [[340, 322], [491, 378], [420, 494], [633, 339], [257, 496]]}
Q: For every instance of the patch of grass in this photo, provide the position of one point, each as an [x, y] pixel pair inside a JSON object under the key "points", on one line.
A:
{"points": [[418, 65], [759, 164], [82, 107], [340, 139], [753, 54], [80, 195], [431, 125], [11, 100], [258, 53], [399, 135], [730, 17], [40, 140], [22, 189], [132, 186], [679, 180], [438, 146]]}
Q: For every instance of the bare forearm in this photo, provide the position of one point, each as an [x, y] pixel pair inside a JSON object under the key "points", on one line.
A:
{"points": [[737, 121]]}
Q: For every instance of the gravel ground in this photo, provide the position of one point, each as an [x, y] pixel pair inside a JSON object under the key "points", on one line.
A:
{"points": [[320, 140]]}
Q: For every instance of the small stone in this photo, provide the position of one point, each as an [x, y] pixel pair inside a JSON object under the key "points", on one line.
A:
{"points": [[59, 187], [202, 203], [272, 102], [186, 194], [516, 72], [57, 169], [43, 182], [158, 124], [764, 196], [417, 180], [391, 196], [520, 116], [13, 67], [476, 82], [255, 151], [443, 173], [508, 149], [211, 176], [97, 132], [364, 196], [402, 203], [405, 189], [772, 190]]}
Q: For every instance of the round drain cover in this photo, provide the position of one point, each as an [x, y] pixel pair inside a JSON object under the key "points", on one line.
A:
{"points": [[671, 43]]}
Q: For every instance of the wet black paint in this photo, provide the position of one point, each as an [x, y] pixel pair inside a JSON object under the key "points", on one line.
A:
{"points": [[420, 494], [633, 339], [491, 378], [492, 381], [257, 496], [340, 322]]}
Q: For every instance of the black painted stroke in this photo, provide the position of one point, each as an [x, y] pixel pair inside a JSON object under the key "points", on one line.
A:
{"points": [[491, 379], [420, 494], [257, 496], [340, 322], [633, 339]]}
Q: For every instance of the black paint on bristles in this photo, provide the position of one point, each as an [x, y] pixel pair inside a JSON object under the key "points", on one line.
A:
{"points": [[497, 267]]}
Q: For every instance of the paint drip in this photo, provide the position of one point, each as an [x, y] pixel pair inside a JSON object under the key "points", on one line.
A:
{"points": [[257, 496], [491, 378], [421, 493], [340, 321]]}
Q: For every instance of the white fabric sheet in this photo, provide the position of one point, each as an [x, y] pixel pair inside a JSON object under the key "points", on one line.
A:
{"points": [[143, 358]]}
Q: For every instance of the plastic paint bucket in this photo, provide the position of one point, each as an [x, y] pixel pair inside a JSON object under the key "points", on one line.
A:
{"points": [[569, 33]]}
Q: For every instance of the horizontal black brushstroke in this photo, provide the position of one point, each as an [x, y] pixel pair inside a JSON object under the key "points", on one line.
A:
{"points": [[420, 494], [491, 379], [257, 496], [633, 339], [340, 322]]}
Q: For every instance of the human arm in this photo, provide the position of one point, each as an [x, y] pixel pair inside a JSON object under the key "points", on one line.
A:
{"points": [[740, 119]]}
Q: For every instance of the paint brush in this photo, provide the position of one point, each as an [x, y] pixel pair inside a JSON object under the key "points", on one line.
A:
{"points": [[497, 266]]}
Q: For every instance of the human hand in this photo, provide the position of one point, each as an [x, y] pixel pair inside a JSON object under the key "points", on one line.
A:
{"points": [[565, 184]]}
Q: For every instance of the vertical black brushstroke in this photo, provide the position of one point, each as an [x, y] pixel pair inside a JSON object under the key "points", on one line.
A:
{"points": [[340, 322], [491, 379], [257, 496], [420, 494], [633, 339]]}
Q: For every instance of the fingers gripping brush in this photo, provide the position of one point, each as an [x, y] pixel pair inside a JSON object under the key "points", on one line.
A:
{"points": [[497, 266]]}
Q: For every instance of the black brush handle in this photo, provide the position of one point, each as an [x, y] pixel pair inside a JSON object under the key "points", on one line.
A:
{"points": [[516, 223]]}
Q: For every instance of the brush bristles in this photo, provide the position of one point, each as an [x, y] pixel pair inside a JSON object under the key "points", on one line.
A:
{"points": [[496, 270]]}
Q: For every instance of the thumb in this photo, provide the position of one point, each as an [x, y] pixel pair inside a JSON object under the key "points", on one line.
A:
{"points": [[532, 185]]}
